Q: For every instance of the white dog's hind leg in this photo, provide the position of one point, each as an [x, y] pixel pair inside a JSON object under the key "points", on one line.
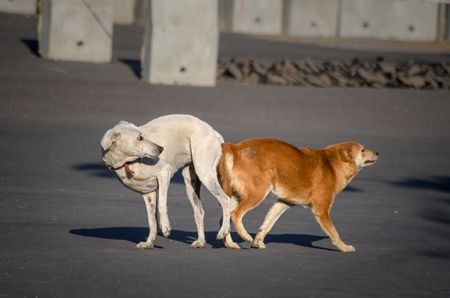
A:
{"points": [[228, 241], [193, 192], [150, 204], [206, 152], [213, 186], [163, 188]]}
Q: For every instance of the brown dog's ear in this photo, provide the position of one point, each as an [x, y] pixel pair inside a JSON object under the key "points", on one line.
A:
{"points": [[109, 138], [347, 155]]}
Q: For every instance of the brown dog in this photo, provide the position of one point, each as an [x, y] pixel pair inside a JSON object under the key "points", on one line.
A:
{"points": [[251, 169]]}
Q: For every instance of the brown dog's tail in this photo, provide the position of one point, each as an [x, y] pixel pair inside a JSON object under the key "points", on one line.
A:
{"points": [[225, 167]]}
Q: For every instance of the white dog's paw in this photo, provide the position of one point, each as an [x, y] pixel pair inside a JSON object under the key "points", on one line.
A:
{"points": [[144, 245], [222, 233], [166, 231], [198, 244]]}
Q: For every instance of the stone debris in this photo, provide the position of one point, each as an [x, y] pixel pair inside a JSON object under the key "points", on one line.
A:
{"points": [[350, 74]]}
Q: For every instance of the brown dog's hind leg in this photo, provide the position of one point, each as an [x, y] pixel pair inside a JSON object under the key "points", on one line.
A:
{"points": [[327, 226], [247, 203], [272, 216]]}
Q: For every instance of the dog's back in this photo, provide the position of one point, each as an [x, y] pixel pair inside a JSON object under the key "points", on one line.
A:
{"points": [[267, 164]]}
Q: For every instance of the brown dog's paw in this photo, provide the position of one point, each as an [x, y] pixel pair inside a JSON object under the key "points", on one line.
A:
{"points": [[144, 245], [347, 248], [232, 245], [258, 244]]}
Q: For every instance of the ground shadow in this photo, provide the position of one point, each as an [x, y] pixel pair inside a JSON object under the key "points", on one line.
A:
{"points": [[131, 234], [352, 189], [138, 234], [439, 183], [134, 65], [94, 169], [296, 239], [32, 45], [435, 208]]}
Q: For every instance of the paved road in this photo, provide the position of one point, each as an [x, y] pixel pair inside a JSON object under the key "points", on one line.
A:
{"points": [[68, 228]]}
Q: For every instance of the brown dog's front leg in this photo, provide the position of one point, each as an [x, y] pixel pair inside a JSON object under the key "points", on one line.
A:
{"points": [[272, 216], [327, 226]]}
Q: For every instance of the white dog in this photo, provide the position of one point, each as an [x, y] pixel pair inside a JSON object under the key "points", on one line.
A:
{"points": [[145, 158]]}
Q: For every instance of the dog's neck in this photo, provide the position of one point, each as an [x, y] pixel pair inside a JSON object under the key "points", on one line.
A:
{"points": [[125, 165]]}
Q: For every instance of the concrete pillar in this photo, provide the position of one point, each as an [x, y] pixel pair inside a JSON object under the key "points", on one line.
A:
{"points": [[385, 19], [124, 12], [311, 18], [18, 6], [181, 43], [140, 12], [76, 30], [255, 16]]}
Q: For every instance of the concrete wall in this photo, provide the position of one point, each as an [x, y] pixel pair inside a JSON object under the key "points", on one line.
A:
{"points": [[181, 43], [254, 16], [311, 17], [18, 6], [386, 19], [73, 30]]}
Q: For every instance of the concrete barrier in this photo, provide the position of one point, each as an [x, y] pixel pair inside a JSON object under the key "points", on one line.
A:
{"points": [[18, 6], [124, 12], [76, 30], [181, 43], [318, 18], [254, 16], [386, 19]]}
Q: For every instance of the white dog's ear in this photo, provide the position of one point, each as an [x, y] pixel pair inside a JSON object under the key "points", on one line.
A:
{"points": [[109, 138]]}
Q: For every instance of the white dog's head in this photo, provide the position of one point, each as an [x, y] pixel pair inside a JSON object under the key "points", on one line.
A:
{"points": [[124, 143]]}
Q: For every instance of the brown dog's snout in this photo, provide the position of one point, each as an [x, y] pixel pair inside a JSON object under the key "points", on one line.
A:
{"points": [[161, 149]]}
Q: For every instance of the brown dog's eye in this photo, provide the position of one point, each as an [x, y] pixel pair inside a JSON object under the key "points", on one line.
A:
{"points": [[140, 138]]}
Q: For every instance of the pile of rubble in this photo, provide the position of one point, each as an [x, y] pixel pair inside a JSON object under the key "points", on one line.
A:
{"points": [[355, 73]]}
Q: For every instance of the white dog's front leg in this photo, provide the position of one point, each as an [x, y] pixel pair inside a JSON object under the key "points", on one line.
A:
{"points": [[163, 187], [150, 204]]}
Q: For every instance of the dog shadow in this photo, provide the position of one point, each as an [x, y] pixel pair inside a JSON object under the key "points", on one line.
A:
{"points": [[297, 239], [138, 234]]}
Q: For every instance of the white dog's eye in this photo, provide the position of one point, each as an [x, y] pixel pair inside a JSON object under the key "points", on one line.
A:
{"points": [[140, 138]]}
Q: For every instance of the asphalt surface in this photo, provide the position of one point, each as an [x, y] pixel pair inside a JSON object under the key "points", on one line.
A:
{"points": [[68, 228]]}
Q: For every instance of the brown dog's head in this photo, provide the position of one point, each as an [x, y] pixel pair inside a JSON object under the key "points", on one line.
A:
{"points": [[355, 152], [124, 143]]}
